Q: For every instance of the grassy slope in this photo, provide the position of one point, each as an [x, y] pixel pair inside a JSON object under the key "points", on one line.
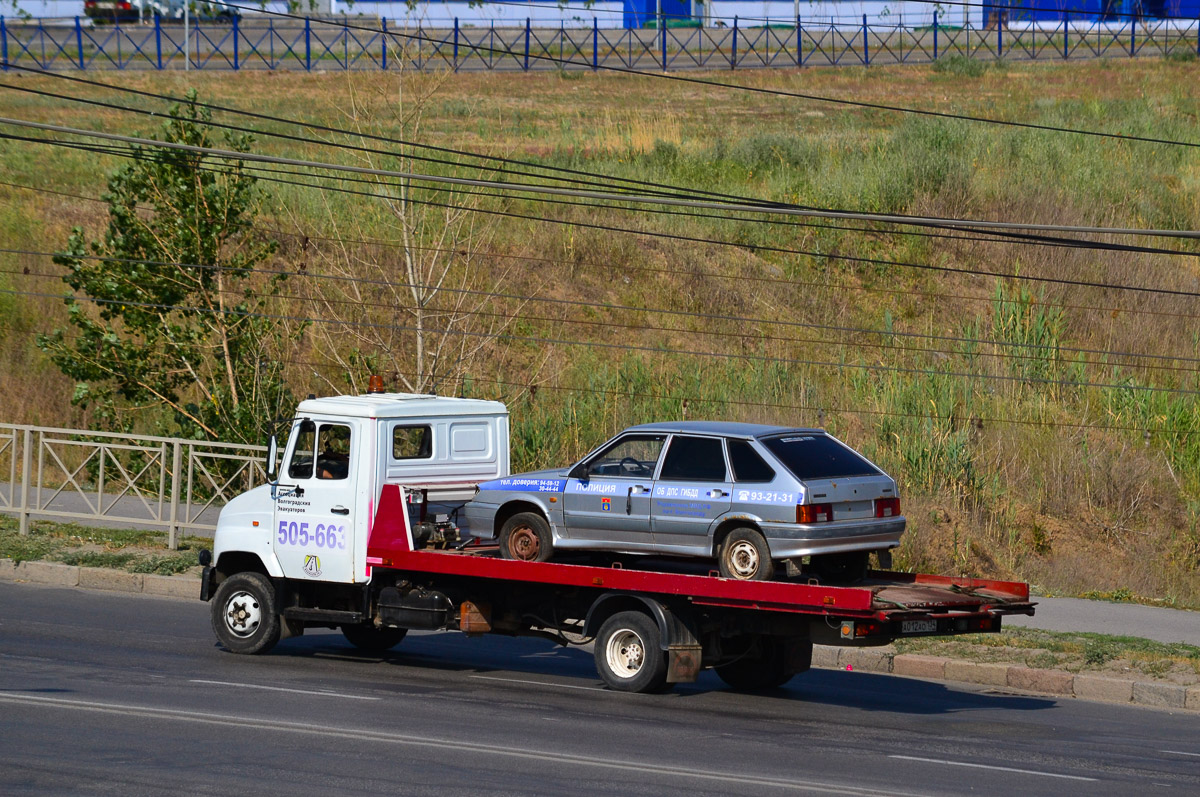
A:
{"points": [[1071, 508]]}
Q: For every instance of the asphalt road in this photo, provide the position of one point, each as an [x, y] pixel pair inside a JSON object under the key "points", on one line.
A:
{"points": [[1101, 617], [106, 693]]}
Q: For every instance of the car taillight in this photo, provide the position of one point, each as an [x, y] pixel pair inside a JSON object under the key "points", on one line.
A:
{"points": [[814, 513], [887, 507]]}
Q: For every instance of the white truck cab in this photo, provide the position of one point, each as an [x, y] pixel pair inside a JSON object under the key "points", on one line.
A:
{"points": [[313, 521]]}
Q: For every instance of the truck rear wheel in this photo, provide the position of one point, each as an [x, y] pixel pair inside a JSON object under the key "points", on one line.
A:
{"points": [[526, 537], [768, 664], [744, 555], [244, 616], [628, 655], [368, 638]]}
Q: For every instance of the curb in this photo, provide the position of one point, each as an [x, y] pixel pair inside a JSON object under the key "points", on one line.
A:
{"points": [[1083, 686], [57, 575]]}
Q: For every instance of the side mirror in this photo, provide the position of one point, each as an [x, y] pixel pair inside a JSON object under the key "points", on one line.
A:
{"points": [[272, 457], [580, 472]]}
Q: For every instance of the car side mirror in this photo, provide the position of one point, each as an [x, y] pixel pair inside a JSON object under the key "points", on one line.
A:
{"points": [[580, 472], [272, 457]]}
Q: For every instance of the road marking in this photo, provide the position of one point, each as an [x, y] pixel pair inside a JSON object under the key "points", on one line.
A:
{"points": [[989, 766], [358, 735], [320, 692], [537, 683], [1179, 752]]}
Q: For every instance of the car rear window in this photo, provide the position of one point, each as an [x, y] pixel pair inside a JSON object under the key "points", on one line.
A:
{"points": [[748, 466], [817, 456]]}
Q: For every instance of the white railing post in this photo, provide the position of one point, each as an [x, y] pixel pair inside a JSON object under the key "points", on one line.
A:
{"points": [[26, 466], [176, 467]]}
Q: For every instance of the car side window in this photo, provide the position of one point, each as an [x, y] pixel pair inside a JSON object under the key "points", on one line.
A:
{"points": [[333, 442], [748, 466], [632, 456], [694, 459]]}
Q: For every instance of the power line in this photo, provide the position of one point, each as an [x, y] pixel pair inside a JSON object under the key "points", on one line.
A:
{"points": [[654, 270], [617, 346], [677, 191], [306, 274], [589, 194], [754, 89], [534, 387]]}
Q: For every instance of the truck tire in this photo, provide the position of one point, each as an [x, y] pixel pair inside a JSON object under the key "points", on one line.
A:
{"points": [[366, 637], [244, 616], [766, 667], [841, 568], [526, 537], [744, 555], [628, 655]]}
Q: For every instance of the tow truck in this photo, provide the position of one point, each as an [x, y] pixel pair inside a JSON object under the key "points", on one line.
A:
{"points": [[358, 530]]}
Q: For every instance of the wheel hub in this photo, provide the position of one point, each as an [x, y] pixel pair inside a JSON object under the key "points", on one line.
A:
{"points": [[743, 559], [524, 544], [626, 654], [243, 615]]}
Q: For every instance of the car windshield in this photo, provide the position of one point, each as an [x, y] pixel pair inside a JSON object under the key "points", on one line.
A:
{"points": [[817, 456]]}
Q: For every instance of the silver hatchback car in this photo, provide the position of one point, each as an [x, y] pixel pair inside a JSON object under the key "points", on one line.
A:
{"points": [[745, 494]]}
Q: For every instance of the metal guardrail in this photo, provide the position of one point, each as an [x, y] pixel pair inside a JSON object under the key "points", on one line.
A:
{"points": [[249, 43], [162, 482]]}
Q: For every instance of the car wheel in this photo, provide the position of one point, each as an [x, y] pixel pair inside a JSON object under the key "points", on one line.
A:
{"points": [[628, 655], [244, 616], [526, 537], [841, 568], [744, 555], [367, 637]]}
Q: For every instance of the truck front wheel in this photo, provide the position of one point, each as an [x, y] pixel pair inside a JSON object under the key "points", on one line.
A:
{"points": [[368, 638], [628, 655], [244, 616], [526, 536]]}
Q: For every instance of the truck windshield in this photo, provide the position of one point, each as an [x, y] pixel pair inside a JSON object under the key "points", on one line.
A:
{"points": [[817, 456]]}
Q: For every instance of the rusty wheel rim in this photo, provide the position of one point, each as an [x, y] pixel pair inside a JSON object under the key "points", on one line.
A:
{"points": [[524, 544]]}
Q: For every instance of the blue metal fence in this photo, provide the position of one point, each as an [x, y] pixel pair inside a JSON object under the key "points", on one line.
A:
{"points": [[321, 44]]}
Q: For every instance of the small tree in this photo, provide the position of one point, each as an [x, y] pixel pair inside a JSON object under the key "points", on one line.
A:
{"points": [[177, 336]]}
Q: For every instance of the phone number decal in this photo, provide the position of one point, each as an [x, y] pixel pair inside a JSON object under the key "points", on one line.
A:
{"points": [[302, 534]]}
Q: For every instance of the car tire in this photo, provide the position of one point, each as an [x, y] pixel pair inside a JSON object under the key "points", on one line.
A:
{"points": [[368, 638], [766, 666], [744, 556], [629, 656], [244, 615], [841, 568], [526, 537]]}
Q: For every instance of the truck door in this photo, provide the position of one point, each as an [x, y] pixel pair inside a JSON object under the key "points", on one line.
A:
{"points": [[609, 502], [313, 533], [693, 490]]}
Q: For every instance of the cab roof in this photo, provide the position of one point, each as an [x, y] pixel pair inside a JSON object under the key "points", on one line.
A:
{"points": [[727, 428], [399, 405]]}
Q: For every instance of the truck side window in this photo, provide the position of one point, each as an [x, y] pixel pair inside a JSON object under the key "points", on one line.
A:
{"points": [[412, 442], [748, 466], [334, 460], [301, 464], [697, 459]]}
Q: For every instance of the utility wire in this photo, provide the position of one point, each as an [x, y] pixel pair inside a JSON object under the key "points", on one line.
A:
{"points": [[833, 287], [657, 311], [737, 87], [653, 188], [610, 346]]}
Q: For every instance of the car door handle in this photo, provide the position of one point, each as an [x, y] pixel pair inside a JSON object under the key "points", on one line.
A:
{"points": [[717, 494], [340, 510]]}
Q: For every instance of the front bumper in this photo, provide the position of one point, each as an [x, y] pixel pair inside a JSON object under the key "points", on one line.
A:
{"points": [[794, 540]]}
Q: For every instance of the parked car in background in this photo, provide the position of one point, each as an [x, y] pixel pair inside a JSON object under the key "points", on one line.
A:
{"points": [[748, 495], [102, 11]]}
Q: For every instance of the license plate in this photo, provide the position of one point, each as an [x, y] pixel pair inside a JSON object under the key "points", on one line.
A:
{"points": [[918, 626]]}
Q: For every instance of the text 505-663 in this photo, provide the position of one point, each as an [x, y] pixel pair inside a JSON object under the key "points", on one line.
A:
{"points": [[303, 534]]}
